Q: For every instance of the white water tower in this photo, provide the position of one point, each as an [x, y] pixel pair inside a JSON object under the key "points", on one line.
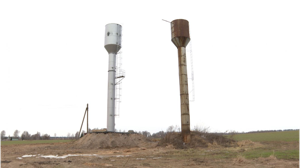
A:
{"points": [[113, 38]]}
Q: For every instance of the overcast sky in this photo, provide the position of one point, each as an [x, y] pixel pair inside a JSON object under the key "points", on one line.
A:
{"points": [[53, 62]]}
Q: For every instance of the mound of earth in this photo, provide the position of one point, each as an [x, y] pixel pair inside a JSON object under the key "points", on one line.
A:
{"points": [[111, 140], [197, 140]]}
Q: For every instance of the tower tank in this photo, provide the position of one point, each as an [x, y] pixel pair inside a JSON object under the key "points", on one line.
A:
{"points": [[112, 44]]}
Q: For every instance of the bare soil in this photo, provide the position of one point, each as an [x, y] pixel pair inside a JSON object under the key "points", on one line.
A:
{"points": [[111, 140], [135, 151]]}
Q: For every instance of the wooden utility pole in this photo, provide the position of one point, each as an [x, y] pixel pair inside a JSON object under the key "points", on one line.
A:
{"points": [[87, 118], [86, 112]]}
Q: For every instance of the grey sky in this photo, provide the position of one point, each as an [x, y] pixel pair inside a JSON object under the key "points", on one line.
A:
{"points": [[53, 62]]}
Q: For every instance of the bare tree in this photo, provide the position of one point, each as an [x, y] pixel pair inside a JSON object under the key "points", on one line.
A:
{"points": [[173, 128], [159, 134], [45, 137], [16, 133], [68, 135], [25, 135], [2, 134], [146, 133], [36, 136], [55, 135], [77, 134]]}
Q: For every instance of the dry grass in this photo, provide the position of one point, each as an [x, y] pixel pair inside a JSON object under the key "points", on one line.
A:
{"points": [[198, 139], [246, 155], [248, 144], [239, 160]]}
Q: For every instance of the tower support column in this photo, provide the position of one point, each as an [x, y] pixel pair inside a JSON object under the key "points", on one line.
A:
{"points": [[111, 92], [184, 95]]}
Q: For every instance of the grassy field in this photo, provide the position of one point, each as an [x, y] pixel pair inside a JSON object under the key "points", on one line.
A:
{"points": [[278, 153], [32, 142], [287, 136], [282, 145]]}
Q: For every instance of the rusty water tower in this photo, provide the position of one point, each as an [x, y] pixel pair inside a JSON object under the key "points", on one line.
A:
{"points": [[181, 38]]}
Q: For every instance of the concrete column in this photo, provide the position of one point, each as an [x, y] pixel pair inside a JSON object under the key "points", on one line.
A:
{"points": [[111, 92], [184, 95]]}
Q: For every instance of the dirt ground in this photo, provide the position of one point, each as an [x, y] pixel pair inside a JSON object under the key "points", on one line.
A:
{"points": [[134, 152]]}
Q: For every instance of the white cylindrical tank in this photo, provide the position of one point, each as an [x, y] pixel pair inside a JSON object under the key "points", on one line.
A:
{"points": [[113, 37], [112, 45]]}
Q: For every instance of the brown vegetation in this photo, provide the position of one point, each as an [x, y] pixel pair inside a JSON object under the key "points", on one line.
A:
{"points": [[198, 139]]}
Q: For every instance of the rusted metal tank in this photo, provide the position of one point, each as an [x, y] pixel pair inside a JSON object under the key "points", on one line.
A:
{"points": [[181, 38], [180, 32]]}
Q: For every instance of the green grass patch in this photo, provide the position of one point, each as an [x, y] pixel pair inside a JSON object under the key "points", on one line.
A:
{"points": [[288, 136], [257, 153], [287, 154], [25, 142]]}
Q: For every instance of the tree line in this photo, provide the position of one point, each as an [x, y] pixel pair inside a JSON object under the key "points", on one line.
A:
{"points": [[26, 136]]}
